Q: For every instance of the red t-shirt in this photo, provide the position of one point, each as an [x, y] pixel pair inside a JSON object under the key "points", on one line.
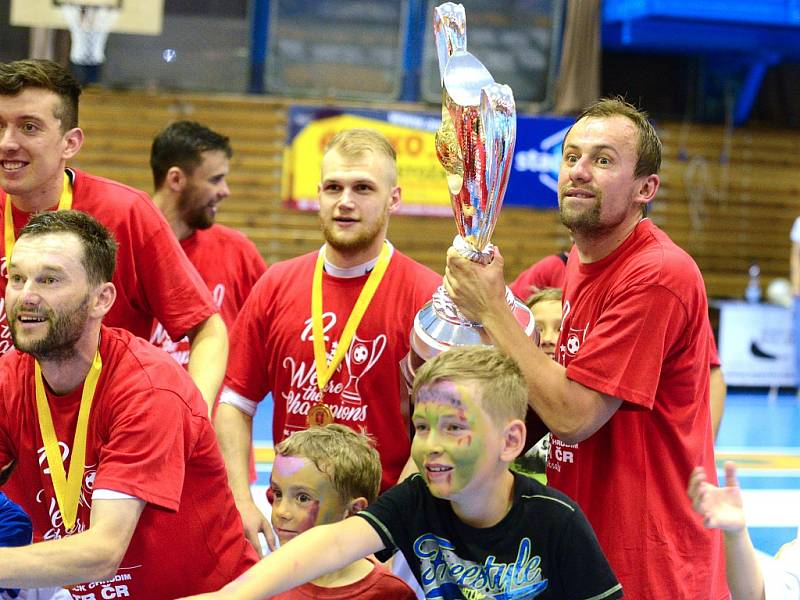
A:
{"points": [[548, 272], [153, 277], [148, 437], [230, 265], [379, 584], [272, 350], [636, 327]]}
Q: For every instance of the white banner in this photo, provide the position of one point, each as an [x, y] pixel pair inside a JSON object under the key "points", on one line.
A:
{"points": [[756, 344]]}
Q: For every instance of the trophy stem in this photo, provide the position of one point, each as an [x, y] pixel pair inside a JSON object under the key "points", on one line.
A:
{"points": [[469, 251]]}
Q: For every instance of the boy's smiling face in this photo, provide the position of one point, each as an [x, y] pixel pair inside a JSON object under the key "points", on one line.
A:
{"points": [[302, 496], [456, 445]]}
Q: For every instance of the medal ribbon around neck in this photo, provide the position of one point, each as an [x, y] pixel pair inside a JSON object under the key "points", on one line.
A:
{"points": [[324, 369], [64, 203], [68, 489]]}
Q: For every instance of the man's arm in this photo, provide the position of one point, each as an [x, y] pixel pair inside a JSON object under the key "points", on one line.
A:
{"points": [[235, 433], [569, 409], [92, 555], [208, 357], [794, 264], [718, 393], [320, 550]]}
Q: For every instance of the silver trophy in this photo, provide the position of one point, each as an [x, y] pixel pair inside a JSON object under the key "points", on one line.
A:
{"points": [[475, 144]]}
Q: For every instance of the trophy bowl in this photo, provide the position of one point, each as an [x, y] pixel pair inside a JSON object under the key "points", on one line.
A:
{"points": [[475, 145]]}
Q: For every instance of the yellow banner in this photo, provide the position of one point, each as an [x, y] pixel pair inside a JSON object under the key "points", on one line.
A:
{"points": [[421, 177]]}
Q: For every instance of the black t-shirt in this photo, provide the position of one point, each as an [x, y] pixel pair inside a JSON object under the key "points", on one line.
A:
{"points": [[544, 548]]}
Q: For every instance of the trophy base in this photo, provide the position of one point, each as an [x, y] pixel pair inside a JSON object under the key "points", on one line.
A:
{"points": [[438, 326]]}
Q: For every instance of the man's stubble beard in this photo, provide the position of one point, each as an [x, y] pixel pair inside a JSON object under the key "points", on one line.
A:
{"points": [[192, 214], [65, 330], [361, 242], [587, 221]]}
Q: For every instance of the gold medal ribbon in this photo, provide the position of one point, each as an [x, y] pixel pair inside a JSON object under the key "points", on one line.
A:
{"points": [[64, 203], [68, 489], [324, 369]]}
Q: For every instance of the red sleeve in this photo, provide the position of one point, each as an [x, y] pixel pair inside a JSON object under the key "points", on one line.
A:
{"points": [[7, 453], [146, 451], [521, 286], [548, 272], [177, 296], [625, 351], [247, 364]]}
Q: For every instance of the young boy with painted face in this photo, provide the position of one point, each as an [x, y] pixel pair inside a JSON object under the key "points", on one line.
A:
{"points": [[323, 475], [468, 527]]}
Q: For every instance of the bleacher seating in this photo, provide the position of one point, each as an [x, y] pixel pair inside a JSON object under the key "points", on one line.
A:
{"points": [[728, 204]]}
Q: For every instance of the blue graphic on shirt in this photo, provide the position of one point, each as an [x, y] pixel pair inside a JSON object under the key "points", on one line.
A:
{"points": [[445, 575]]}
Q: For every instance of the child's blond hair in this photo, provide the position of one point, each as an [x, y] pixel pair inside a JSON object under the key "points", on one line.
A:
{"points": [[550, 294], [348, 458]]}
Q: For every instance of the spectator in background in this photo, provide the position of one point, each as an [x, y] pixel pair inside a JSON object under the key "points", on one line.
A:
{"points": [[626, 405], [190, 164], [154, 279], [546, 308], [751, 576], [312, 333]]}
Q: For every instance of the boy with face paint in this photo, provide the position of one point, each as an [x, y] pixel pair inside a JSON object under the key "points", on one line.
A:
{"points": [[323, 475], [467, 526]]}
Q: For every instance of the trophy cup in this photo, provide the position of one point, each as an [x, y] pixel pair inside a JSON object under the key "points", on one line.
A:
{"points": [[475, 144]]}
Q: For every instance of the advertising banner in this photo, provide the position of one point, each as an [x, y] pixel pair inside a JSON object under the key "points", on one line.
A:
{"points": [[533, 180]]}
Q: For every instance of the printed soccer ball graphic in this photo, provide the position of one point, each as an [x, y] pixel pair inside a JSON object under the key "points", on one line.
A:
{"points": [[573, 344], [360, 353]]}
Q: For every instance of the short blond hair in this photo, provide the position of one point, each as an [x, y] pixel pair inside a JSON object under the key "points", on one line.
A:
{"points": [[348, 458], [503, 392], [355, 142], [551, 294]]}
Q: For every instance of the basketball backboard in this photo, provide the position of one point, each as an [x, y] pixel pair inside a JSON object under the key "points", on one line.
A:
{"points": [[144, 17]]}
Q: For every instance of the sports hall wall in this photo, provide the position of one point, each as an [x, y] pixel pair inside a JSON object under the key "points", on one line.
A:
{"points": [[725, 212]]}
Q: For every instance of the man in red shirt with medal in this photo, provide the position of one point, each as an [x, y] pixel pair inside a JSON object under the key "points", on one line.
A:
{"points": [[325, 332], [105, 438]]}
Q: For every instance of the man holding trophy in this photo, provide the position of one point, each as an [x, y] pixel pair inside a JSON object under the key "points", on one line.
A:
{"points": [[628, 400]]}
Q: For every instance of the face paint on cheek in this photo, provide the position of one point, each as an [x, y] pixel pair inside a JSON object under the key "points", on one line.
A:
{"points": [[310, 519], [465, 440]]}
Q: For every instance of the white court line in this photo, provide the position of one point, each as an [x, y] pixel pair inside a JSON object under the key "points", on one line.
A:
{"points": [[788, 450]]}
